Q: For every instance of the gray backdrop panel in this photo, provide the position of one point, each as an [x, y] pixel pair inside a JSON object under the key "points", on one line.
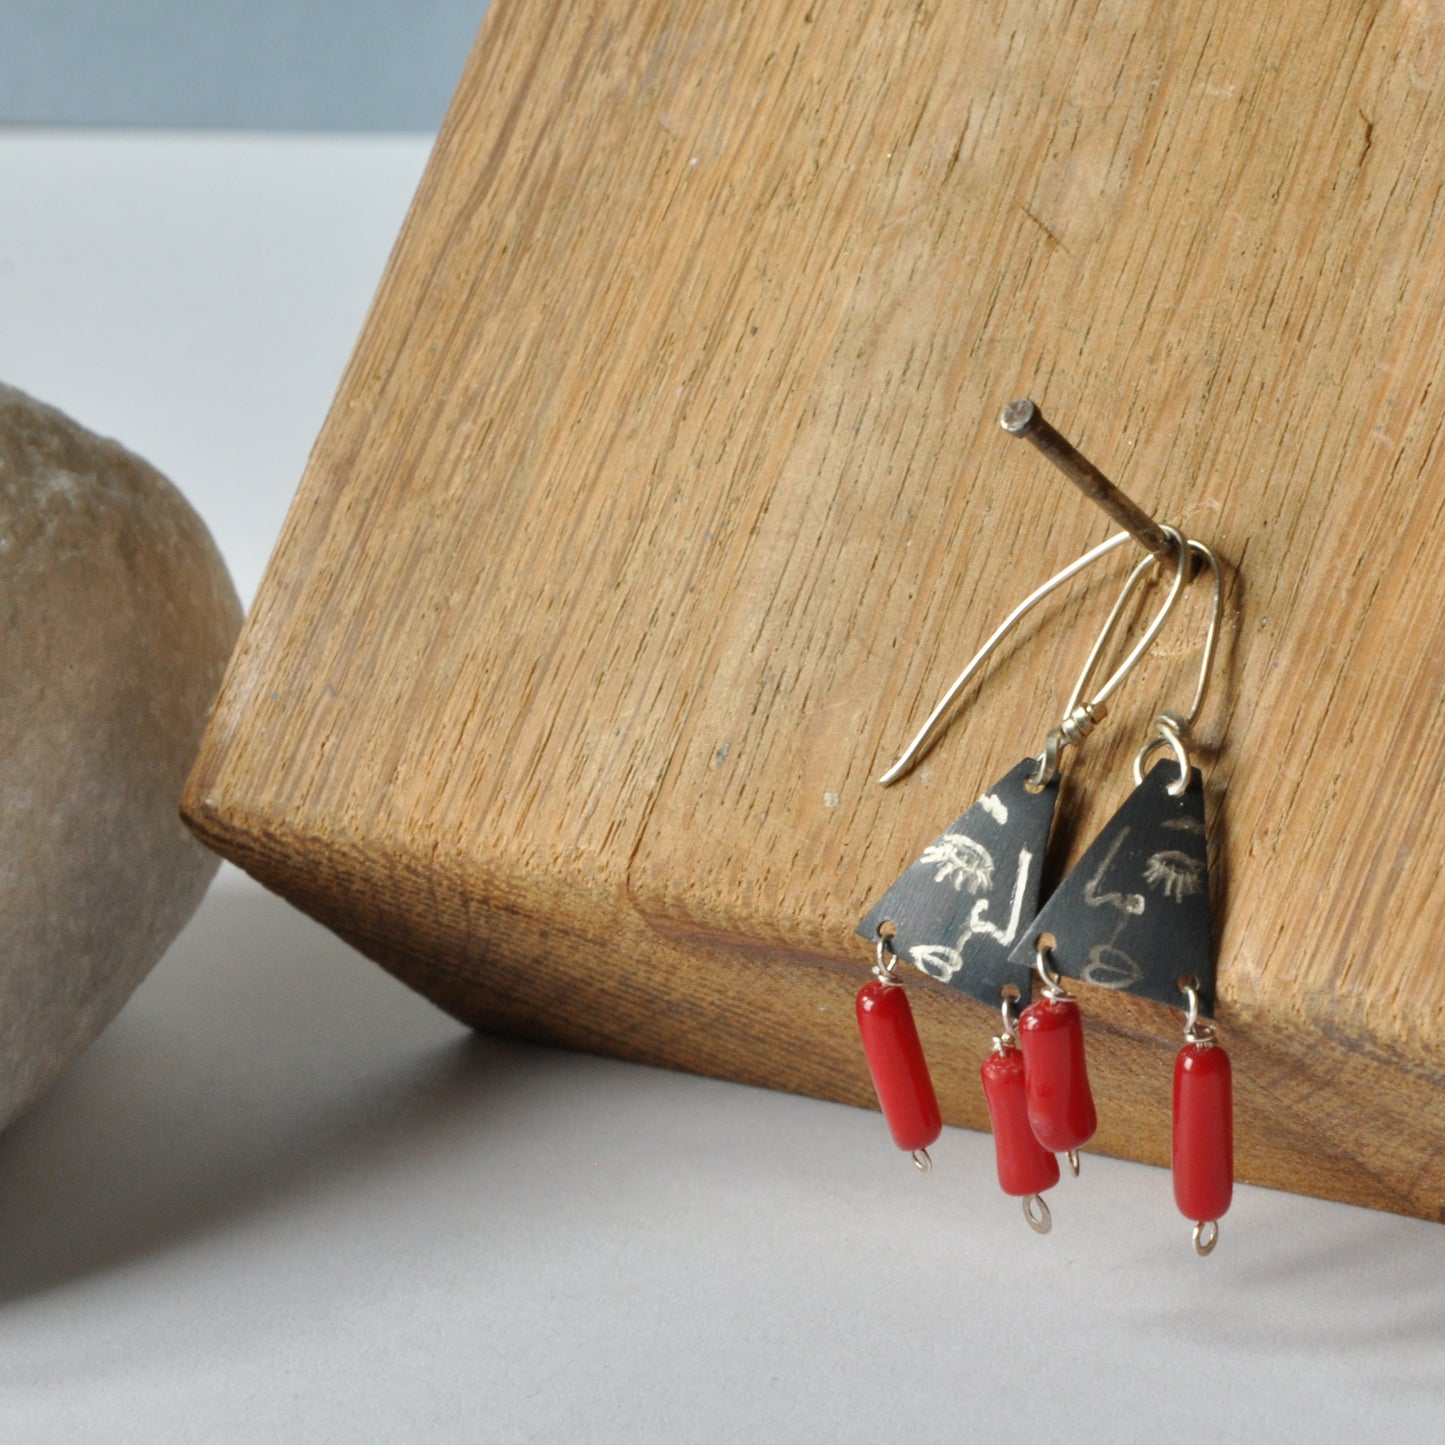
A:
{"points": [[271, 64]]}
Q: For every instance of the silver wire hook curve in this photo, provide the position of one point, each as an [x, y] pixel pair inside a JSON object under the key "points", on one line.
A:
{"points": [[929, 731], [1171, 727], [1176, 590], [1211, 637], [1080, 717]]}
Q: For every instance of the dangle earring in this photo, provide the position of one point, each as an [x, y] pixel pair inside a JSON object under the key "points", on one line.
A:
{"points": [[1133, 914], [1058, 1100], [1203, 1148], [959, 907], [1025, 1166], [895, 1058]]}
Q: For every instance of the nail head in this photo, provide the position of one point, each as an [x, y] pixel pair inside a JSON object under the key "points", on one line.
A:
{"points": [[1018, 416]]}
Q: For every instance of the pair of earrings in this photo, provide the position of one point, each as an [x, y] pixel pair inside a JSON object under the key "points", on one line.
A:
{"points": [[1133, 914]]}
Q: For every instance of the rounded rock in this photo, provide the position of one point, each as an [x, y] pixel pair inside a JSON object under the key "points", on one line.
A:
{"points": [[117, 616]]}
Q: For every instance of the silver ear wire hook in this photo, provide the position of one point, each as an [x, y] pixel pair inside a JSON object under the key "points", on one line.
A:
{"points": [[1142, 569], [1165, 546], [931, 727], [1171, 727], [1079, 717]]}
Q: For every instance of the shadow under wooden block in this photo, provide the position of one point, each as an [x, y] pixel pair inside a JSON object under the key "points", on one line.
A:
{"points": [[664, 492]]}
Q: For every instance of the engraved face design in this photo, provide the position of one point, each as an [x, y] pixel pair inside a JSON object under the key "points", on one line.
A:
{"points": [[962, 861], [1175, 874], [937, 960], [1111, 967]]}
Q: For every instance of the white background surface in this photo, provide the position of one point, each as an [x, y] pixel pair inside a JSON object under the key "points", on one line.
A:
{"points": [[283, 1199]]}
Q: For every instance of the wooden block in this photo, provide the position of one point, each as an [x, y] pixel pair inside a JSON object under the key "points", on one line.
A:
{"points": [[664, 493]]}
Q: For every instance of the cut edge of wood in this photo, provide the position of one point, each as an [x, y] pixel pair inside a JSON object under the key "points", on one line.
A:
{"points": [[1305, 1114]]}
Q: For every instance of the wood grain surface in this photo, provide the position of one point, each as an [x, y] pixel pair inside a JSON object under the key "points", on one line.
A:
{"points": [[665, 492]]}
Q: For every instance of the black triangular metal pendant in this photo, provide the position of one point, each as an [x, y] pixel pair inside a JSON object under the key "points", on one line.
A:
{"points": [[959, 907], [1133, 912]]}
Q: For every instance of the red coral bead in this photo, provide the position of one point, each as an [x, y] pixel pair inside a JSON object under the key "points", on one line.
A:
{"points": [[1024, 1165], [895, 1059], [1203, 1132], [1061, 1107]]}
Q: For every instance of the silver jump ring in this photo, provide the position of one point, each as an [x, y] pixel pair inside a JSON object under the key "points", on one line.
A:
{"points": [[1053, 985], [1194, 1031], [1166, 737], [1036, 1211], [885, 970], [1008, 1022], [1047, 763], [1191, 1017]]}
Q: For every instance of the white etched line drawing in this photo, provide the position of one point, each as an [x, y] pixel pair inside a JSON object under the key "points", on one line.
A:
{"points": [[995, 807], [961, 860], [1185, 825], [1005, 936], [937, 960], [1180, 875], [940, 961], [1132, 903], [1111, 967]]}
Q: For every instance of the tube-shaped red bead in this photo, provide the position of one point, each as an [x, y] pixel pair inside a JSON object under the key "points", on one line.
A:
{"points": [[1203, 1132], [895, 1059], [1024, 1165], [1061, 1107]]}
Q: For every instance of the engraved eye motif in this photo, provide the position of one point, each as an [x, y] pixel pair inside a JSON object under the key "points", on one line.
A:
{"points": [[959, 858], [1176, 874]]}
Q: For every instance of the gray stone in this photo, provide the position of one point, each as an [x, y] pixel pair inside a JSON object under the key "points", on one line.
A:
{"points": [[116, 619]]}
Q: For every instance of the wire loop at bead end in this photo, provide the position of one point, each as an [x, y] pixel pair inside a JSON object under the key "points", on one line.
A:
{"points": [[922, 1160], [1201, 1035], [1053, 983], [1206, 1236], [1036, 1211], [883, 971], [1008, 1039], [1073, 1157]]}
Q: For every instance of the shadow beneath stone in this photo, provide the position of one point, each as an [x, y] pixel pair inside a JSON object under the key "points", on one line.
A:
{"points": [[264, 1062]]}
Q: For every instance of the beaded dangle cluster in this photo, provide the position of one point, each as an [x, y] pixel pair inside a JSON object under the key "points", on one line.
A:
{"points": [[1133, 915]]}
